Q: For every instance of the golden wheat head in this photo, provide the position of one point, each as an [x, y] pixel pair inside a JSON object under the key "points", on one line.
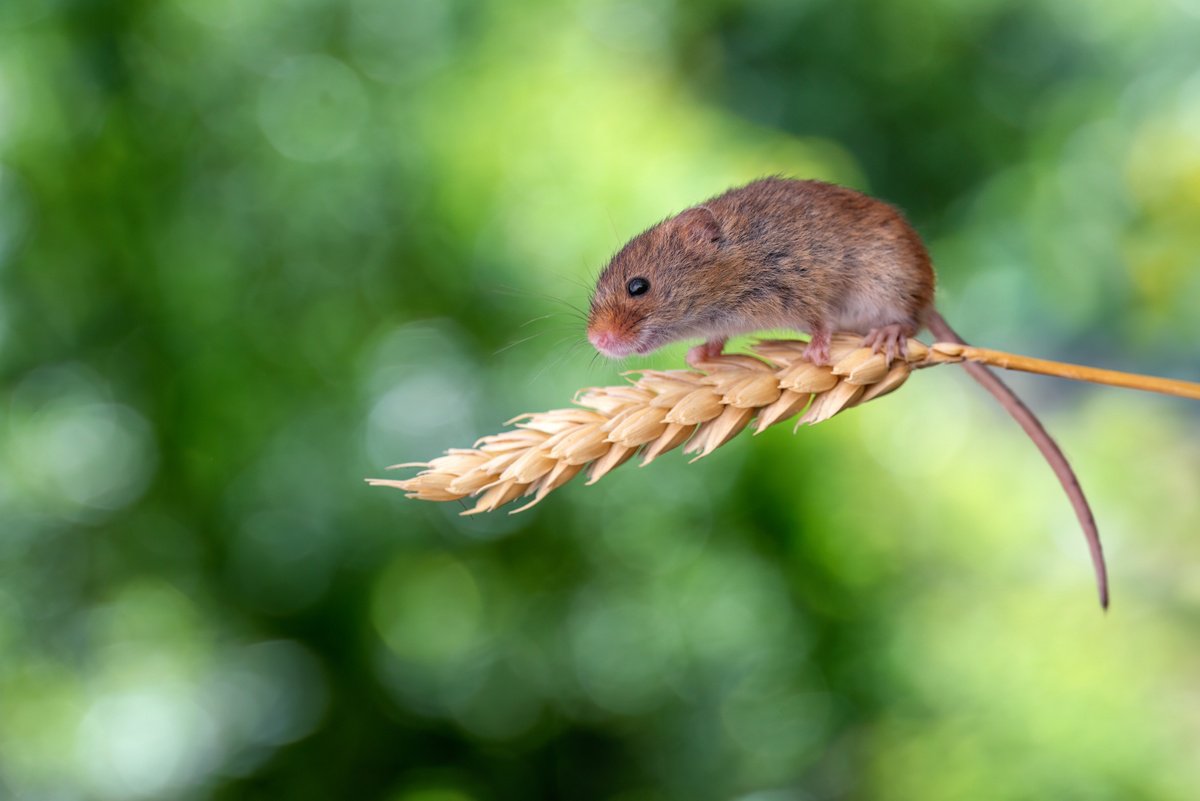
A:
{"points": [[659, 411]]}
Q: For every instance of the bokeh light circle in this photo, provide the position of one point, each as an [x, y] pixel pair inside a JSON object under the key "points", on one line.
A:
{"points": [[312, 108]]}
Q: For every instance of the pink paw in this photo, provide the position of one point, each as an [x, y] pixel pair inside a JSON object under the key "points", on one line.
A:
{"points": [[891, 339], [705, 353], [817, 349]]}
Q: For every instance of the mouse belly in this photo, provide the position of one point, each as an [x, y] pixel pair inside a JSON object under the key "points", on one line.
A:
{"points": [[864, 314]]}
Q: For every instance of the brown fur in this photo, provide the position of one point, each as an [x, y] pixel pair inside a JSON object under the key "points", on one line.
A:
{"points": [[776, 253]]}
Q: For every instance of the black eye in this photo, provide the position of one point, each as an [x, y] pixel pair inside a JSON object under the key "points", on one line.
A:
{"points": [[638, 286]]}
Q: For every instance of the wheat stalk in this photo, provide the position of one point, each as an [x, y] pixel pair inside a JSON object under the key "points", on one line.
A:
{"points": [[944, 352], [659, 411]]}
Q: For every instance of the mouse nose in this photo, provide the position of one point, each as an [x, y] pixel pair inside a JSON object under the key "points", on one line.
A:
{"points": [[608, 343], [602, 340]]}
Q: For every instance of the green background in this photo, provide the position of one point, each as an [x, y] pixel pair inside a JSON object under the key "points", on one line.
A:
{"points": [[252, 252]]}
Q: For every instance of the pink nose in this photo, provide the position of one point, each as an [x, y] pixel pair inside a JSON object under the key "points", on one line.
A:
{"points": [[602, 340], [608, 343]]}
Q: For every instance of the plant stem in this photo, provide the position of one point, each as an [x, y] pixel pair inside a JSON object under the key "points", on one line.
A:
{"points": [[941, 352]]}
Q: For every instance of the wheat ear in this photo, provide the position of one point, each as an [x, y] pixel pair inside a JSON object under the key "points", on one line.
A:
{"points": [[701, 411], [659, 411]]}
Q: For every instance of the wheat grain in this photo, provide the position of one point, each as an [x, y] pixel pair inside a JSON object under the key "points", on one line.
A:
{"points": [[659, 411]]}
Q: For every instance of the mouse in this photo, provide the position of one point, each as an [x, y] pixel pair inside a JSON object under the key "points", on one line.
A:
{"points": [[806, 255]]}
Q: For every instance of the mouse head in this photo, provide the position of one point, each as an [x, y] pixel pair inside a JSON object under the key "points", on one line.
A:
{"points": [[660, 287]]}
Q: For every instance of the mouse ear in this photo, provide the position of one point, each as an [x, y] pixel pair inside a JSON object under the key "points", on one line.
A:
{"points": [[699, 225]]}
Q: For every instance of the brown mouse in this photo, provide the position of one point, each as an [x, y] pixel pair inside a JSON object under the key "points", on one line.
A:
{"points": [[806, 255]]}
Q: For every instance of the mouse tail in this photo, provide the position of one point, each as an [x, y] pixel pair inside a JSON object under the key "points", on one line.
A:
{"points": [[1049, 448]]}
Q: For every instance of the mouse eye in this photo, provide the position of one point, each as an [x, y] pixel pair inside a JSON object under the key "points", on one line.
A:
{"points": [[638, 286]]}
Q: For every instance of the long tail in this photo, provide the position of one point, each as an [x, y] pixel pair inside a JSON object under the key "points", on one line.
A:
{"points": [[1049, 448]]}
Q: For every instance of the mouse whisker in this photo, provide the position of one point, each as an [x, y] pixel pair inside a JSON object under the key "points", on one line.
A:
{"points": [[577, 281], [540, 318], [521, 341], [525, 293], [564, 354]]}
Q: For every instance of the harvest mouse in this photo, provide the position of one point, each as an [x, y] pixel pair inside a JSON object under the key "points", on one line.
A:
{"points": [[806, 255]]}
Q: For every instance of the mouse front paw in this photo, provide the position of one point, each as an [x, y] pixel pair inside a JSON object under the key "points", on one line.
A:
{"points": [[705, 353], [817, 349]]}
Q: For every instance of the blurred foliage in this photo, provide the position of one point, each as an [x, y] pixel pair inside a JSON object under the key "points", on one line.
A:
{"points": [[251, 252]]}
